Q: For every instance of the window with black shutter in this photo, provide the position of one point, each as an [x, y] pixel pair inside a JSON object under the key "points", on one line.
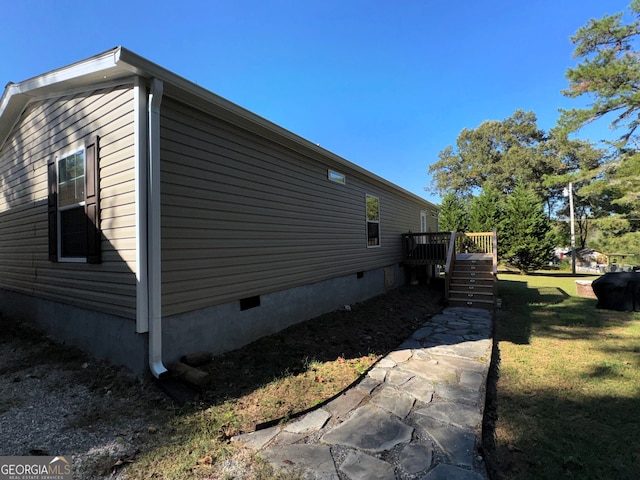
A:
{"points": [[373, 221], [73, 207]]}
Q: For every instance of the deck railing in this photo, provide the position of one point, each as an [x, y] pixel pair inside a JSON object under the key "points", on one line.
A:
{"points": [[426, 248], [474, 242], [441, 248]]}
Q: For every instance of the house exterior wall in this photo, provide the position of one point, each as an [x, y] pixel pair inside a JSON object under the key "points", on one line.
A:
{"points": [[247, 212], [244, 215], [52, 127], [225, 327]]}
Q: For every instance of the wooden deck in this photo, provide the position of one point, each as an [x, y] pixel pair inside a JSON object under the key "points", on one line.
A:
{"points": [[433, 248], [470, 262]]}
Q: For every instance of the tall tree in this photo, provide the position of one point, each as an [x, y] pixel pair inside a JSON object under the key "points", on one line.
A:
{"points": [[497, 151], [453, 214], [525, 240], [486, 210], [609, 75]]}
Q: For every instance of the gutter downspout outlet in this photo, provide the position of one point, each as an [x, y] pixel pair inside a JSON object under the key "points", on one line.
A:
{"points": [[153, 208]]}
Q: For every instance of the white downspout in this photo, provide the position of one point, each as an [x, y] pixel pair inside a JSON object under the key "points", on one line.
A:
{"points": [[153, 205]]}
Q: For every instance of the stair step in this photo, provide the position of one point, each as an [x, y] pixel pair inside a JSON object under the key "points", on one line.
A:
{"points": [[477, 278], [463, 268], [472, 275], [472, 284], [470, 295], [455, 287], [457, 270], [486, 304]]}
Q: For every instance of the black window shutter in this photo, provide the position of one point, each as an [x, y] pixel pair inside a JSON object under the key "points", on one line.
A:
{"points": [[92, 200], [52, 210]]}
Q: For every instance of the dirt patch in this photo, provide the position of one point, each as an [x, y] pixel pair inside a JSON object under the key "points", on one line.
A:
{"points": [[56, 400], [325, 354]]}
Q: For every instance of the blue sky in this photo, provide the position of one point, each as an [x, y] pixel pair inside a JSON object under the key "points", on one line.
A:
{"points": [[384, 84]]}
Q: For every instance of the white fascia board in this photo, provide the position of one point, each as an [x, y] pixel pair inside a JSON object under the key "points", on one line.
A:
{"points": [[11, 107], [101, 63], [101, 68]]}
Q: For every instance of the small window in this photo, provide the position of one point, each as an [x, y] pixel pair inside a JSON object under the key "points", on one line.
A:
{"points": [[373, 221], [72, 221], [336, 177], [423, 221]]}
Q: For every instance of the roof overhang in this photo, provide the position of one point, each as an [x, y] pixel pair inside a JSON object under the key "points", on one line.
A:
{"points": [[120, 64], [17, 96]]}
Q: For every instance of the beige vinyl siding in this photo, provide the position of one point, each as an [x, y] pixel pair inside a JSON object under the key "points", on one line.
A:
{"points": [[52, 127], [243, 215]]}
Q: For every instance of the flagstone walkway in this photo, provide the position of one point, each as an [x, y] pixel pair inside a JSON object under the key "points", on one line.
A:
{"points": [[416, 415]]}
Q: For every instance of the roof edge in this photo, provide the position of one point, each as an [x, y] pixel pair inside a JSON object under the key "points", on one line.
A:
{"points": [[17, 96]]}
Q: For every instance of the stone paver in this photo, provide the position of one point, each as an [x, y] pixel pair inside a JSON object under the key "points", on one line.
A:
{"points": [[398, 377], [378, 374], [312, 421], [457, 444], [400, 355], [368, 385], [416, 415], [360, 466], [288, 438], [394, 401], [416, 457], [419, 388], [370, 429], [315, 460], [452, 413], [259, 438], [339, 407]]}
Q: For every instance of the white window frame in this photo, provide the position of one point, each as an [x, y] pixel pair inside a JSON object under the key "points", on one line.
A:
{"points": [[336, 177], [60, 209], [424, 224], [367, 221]]}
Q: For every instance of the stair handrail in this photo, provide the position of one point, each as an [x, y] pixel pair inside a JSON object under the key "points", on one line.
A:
{"points": [[448, 268], [494, 248]]}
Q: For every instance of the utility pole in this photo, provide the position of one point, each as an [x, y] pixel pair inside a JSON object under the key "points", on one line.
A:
{"points": [[573, 231]]}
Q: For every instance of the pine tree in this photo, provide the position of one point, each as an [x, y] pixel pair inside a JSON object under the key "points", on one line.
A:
{"points": [[486, 210], [608, 74], [453, 214], [525, 239]]}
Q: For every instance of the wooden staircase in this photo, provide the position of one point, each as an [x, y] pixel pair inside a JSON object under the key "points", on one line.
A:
{"points": [[473, 283], [470, 263]]}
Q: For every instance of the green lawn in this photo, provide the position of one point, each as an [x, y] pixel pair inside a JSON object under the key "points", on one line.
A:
{"points": [[568, 394]]}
